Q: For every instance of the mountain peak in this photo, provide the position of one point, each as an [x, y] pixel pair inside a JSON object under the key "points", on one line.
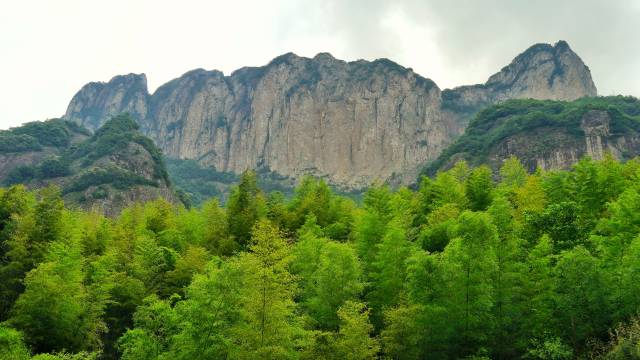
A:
{"points": [[562, 45], [543, 71], [131, 78]]}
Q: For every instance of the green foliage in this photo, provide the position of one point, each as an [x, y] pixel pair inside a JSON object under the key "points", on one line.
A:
{"points": [[332, 275], [12, 344], [118, 178], [550, 348], [498, 122], [624, 343], [34, 136], [534, 266], [478, 188], [21, 174], [354, 340], [199, 183], [18, 143], [246, 205], [51, 167]]}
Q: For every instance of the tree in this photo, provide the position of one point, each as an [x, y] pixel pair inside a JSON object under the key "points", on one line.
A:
{"points": [[338, 278], [512, 173], [615, 232], [354, 341], [559, 221], [246, 205], [438, 231], [530, 197], [371, 224], [450, 189], [55, 311], [581, 292], [419, 326], [508, 283], [469, 261], [539, 315], [479, 188], [27, 239], [216, 229], [388, 271], [213, 307], [192, 262], [556, 186], [269, 325], [155, 324], [626, 298], [589, 193]]}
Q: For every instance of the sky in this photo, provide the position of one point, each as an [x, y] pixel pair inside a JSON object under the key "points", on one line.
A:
{"points": [[50, 48]]}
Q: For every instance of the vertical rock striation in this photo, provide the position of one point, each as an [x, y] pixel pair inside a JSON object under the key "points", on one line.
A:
{"points": [[349, 122]]}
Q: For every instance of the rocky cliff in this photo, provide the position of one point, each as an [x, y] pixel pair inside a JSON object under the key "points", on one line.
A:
{"points": [[349, 122], [548, 134], [541, 72]]}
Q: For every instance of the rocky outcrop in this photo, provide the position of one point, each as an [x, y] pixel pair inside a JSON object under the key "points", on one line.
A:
{"points": [[557, 149], [96, 102], [548, 135], [542, 72], [349, 122], [116, 180], [107, 171]]}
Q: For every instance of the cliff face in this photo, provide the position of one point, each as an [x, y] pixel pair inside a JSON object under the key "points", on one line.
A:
{"points": [[97, 102], [349, 122], [548, 134], [559, 150]]}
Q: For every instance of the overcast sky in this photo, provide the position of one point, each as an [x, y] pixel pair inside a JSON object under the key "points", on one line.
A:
{"points": [[49, 49]]}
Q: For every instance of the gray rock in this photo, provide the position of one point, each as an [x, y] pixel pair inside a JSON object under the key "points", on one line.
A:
{"points": [[349, 122]]}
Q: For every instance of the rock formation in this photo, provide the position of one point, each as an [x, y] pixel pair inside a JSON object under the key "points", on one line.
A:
{"points": [[541, 72], [548, 135], [108, 171], [349, 122]]}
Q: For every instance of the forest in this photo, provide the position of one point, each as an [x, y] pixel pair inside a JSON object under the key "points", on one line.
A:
{"points": [[468, 264]]}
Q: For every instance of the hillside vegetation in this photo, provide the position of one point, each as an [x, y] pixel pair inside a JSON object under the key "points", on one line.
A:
{"points": [[37, 135], [542, 266], [496, 124], [112, 167]]}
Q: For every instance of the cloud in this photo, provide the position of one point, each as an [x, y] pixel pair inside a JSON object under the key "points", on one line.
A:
{"points": [[50, 49], [472, 39]]}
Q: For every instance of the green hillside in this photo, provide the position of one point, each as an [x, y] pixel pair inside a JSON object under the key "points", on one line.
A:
{"points": [[111, 168], [542, 121]]}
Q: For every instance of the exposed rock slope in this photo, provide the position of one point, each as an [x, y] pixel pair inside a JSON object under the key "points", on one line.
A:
{"points": [[541, 72], [549, 134], [350, 122], [107, 171]]}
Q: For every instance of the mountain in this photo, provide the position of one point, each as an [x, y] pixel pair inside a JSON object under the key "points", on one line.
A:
{"points": [[548, 134], [34, 142], [541, 72], [348, 122], [106, 171]]}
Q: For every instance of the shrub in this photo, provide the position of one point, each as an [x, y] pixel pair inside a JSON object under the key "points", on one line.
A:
{"points": [[119, 179]]}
